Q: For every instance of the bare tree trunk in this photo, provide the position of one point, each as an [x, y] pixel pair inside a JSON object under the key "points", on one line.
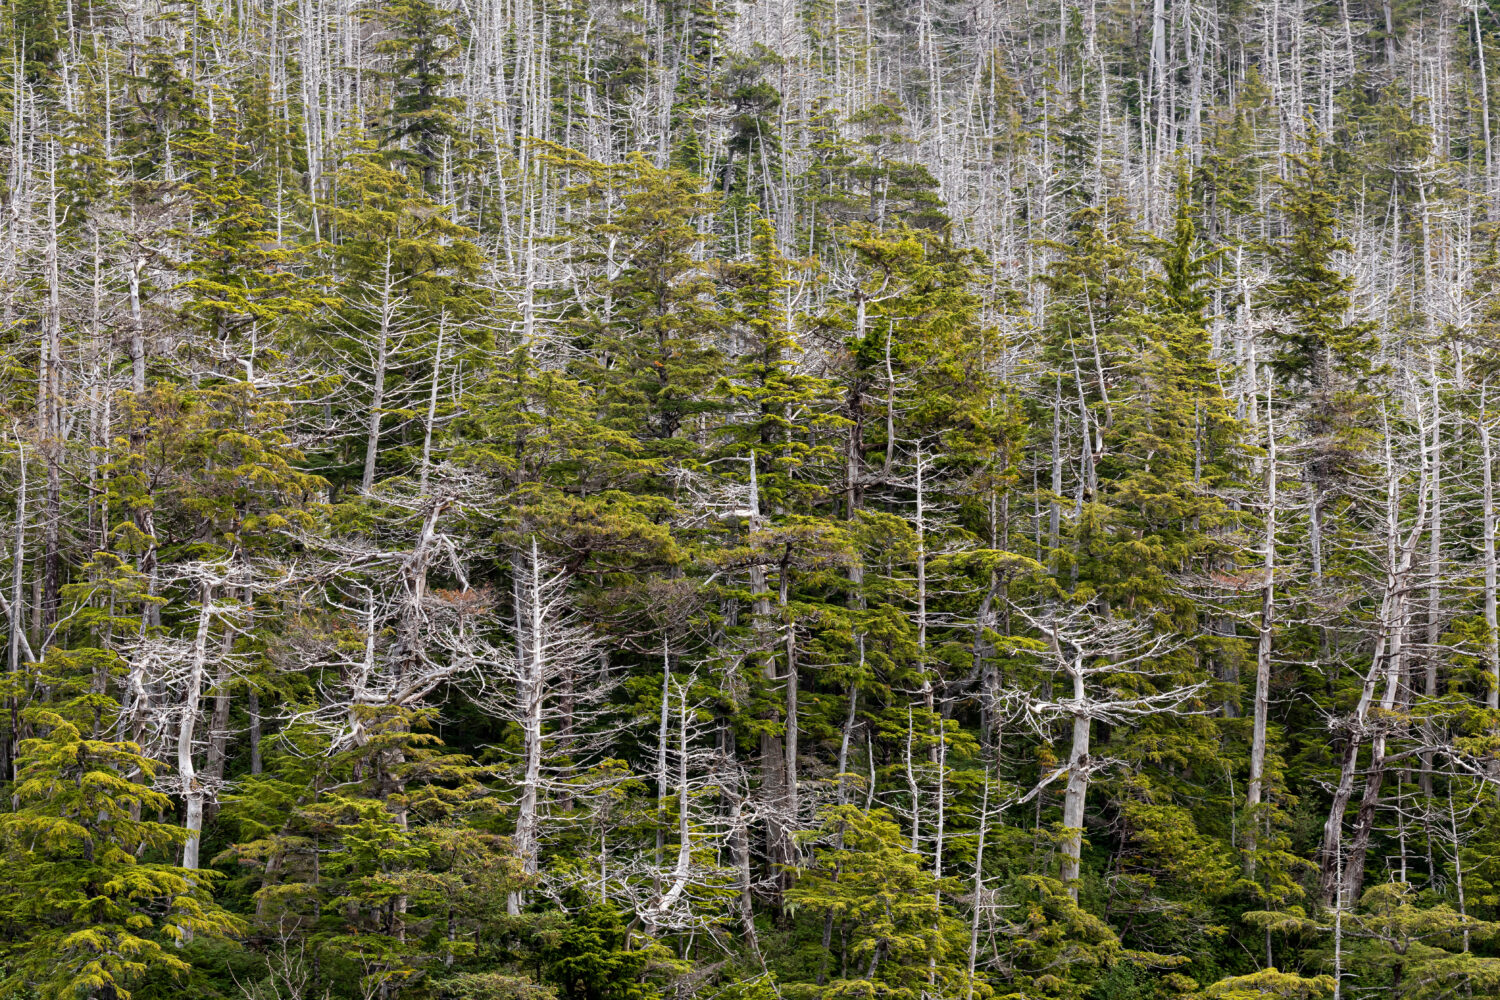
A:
{"points": [[661, 760], [739, 835], [790, 740], [683, 868], [1434, 579], [1078, 787], [1364, 820], [530, 699], [984, 820], [377, 390], [20, 648], [1484, 105], [1492, 627], [1054, 516], [921, 567], [49, 407], [1254, 791], [432, 398], [1399, 558], [145, 513], [252, 704], [193, 790]]}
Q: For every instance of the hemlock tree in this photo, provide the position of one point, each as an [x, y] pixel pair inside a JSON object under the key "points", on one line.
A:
{"points": [[95, 900]]}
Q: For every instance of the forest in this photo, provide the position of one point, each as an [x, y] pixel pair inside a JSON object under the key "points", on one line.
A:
{"points": [[749, 500]]}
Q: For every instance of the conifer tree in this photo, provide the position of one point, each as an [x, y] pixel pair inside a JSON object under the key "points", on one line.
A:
{"points": [[423, 119], [651, 338], [92, 910], [905, 941], [1319, 345]]}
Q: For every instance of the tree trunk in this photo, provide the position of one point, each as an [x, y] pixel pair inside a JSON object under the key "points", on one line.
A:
{"points": [[193, 790], [252, 704], [218, 735], [145, 514], [432, 398], [530, 696], [1484, 106], [1254, 791], [661, 762], [1078, 786], [773, 766], [1434, 579], [49, 414], [1399, 559], [1492, 627], [377, 391]]}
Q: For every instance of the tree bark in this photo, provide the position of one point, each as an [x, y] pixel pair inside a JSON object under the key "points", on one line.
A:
{"points": [[1263, 664]]}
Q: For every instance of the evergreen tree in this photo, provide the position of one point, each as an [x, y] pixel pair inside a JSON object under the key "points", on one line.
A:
{"points": [[423, 122], [650, 329], [1319, 345], [904, 940], [89, 912]]}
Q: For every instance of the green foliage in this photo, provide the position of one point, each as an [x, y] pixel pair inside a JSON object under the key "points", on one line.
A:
{"points": [[822, 352], [903, 935], [590, 955], [1270, 983], [88, 911], [423, 121], [1318, 344]]}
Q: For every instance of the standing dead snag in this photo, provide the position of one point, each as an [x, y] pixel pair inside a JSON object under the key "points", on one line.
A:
{"points": [[523, 681], [1092, 655], [169, 677], [1386, 663]]}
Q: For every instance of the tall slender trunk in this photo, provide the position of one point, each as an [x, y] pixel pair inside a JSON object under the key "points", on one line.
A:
{"points": [[193, 790], [1400, 556], [19, 646], [790, 740], [1364, 820], [739, 840], [854, 443], [661, 760], [773, 768], [1315, 536], [1484, 106], [145, 512], [682, 872], [432, 398], [377, 389], [530, 696], [252, 704], [49, 407], [890, 402], [1254, 791], [984, 819], [921, 567], [985, 670], [1492, 627], [1054, 514], [1434, 579]]}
